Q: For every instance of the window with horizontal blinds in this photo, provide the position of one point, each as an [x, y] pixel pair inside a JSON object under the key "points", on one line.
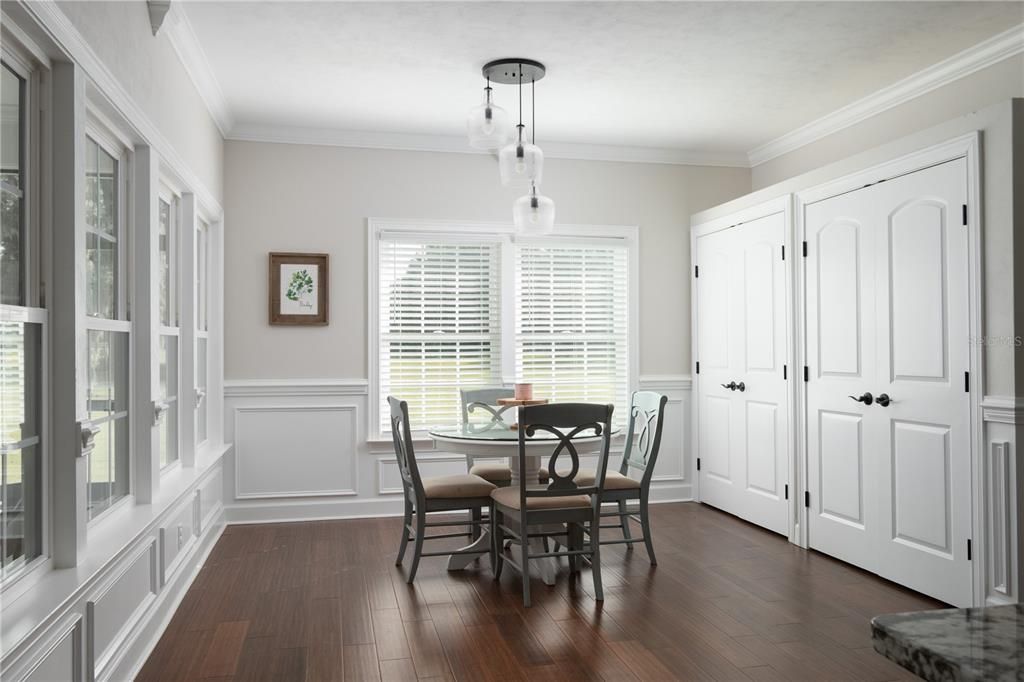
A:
{"points": [[439, 325], [572, 321]]}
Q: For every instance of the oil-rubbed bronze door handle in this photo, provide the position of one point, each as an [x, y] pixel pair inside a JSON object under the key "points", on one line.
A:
{"points": [[867, 399], [731, 385], [883, 400]]}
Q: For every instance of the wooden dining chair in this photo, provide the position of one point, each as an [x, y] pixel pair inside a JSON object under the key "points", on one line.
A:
{"points": [[435, 494], [562, 500], [484, 401], [643, 441]]}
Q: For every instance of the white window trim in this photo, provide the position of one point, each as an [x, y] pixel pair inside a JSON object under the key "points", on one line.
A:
{"points": [[100, 130], [507, 235]]}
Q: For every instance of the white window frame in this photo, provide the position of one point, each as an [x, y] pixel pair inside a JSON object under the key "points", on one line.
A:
{"points": [[506, 234], [172, 197], [202, 325], [28, 65], [102, 132]]}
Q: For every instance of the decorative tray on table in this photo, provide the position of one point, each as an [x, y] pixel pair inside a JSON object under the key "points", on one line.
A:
{"points": [[512, 402]]}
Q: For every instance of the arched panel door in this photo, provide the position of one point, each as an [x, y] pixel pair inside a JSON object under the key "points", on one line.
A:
{"points": [[741, 332]]}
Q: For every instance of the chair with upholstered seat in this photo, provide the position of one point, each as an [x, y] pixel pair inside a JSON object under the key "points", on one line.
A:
{"points": [[562, 500], [484, 401], [646, 414], [437, 494]]}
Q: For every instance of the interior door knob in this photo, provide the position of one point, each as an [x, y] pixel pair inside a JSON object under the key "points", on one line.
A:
{"points": [[741, 386], [731, 385], [883, 400], [867, 398]]}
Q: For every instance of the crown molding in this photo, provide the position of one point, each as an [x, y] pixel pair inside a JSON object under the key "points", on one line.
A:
{"points": [[183, 39], [332, 137], [49, 16], [980, 56]]}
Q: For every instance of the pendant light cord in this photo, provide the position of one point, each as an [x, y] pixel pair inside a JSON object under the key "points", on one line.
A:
{"points": [[520, 103], [533, 112]]}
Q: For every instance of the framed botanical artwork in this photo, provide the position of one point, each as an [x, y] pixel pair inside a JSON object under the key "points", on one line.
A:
{"points": [[298, 289]]}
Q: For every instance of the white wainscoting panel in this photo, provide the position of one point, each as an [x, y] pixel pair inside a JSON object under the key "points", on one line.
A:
{"points": [[60, 652], [295, 450], [113, 613], [1001, 510], [301, 451]]}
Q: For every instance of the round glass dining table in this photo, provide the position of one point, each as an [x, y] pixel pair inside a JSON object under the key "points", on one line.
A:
{"points": [[501, 441]]}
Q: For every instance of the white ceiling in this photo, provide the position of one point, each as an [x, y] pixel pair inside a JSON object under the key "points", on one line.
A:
{"points": [[704, 77]]}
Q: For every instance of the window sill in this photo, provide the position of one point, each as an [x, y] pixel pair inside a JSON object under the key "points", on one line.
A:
{"points": [[38, 600]]}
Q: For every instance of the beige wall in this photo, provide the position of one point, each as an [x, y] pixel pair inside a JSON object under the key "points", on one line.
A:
{"points": [[283, 197], [996, 125], [148, 68]]}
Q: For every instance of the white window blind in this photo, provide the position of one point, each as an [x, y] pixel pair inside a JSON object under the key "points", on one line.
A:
{"points": [[572, 322], [439, 323]]}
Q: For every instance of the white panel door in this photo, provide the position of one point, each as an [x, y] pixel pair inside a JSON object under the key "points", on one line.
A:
{"points": [[890, 482], [741, 320]]}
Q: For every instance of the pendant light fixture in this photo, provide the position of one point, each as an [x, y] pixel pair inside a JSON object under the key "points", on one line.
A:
{"points": [[533, 213], [521, 163], [487, 124]]}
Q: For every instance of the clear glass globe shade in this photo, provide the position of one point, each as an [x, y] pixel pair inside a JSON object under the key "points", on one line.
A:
{"points": [[521, 169], [488, 132], [534, 214]]}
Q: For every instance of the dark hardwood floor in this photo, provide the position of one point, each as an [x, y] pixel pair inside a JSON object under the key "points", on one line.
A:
{"points": [[728, 601]]}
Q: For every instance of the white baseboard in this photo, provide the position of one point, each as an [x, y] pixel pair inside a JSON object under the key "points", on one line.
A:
{"points": [[145, 639]]}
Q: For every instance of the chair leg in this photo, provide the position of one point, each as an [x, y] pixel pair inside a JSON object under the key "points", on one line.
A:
{"points": [[406, 520], [645, 525], [571, 530], [624, 524], [524, 548], [417, 550], [476, 515], [595, 555], [497, 542], [492, 554]]}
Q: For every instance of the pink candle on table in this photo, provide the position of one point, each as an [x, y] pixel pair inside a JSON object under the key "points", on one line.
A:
{"points": [[524, 391]]}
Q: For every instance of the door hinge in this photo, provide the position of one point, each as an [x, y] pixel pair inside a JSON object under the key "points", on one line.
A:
{"points": [[696, 271], [805, 249], [698, 367], [786, 489], [783, 252], [783, 372], [967, 382], [807, 374], [968, 549], [698, 464], [965, 215], [807, 498]]}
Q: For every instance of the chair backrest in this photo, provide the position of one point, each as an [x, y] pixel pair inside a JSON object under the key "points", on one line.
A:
{"points": [[565, 421], [485, 400], [401, 436], [643, 437]]}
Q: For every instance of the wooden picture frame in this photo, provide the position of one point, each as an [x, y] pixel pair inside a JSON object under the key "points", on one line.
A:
{"points": [[299, 289]]}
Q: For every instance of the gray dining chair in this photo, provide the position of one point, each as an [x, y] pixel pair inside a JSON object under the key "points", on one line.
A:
{"points": [[434, 494], [643, 441], [562, 500], [484, 401]]}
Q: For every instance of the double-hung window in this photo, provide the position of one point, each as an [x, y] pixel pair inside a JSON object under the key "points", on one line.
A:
{"points": [[202, 329], [439, 322], [169, 206], [107, 325], [482, 306], [23, 323]]}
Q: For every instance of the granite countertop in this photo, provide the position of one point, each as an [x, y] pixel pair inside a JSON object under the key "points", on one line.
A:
{"points": [[984, 643]]}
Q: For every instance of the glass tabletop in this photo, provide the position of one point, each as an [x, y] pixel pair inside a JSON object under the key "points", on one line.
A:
{"points": [[498, 433]]}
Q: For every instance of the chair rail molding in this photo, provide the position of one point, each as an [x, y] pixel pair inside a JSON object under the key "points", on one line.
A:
{"points": [[290, 388], [1003, 410]]}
